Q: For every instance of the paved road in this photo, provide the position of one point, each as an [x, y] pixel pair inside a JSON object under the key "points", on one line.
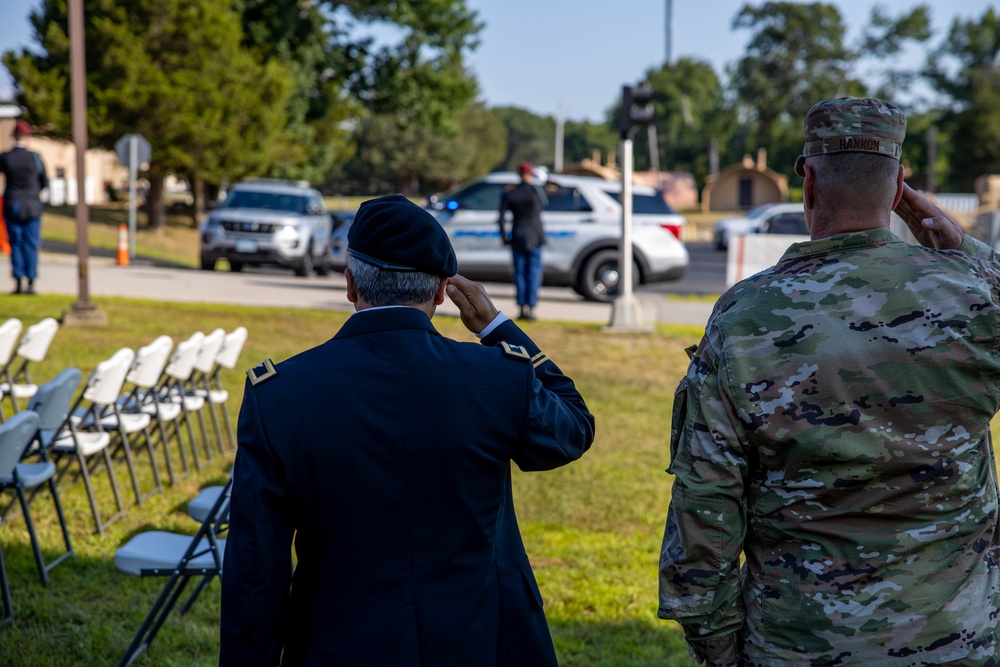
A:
{"points": [[58, 275]]}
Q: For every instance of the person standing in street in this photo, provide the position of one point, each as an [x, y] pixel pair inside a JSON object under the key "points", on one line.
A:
{"points": [[385, 455], [527, 236], [834, 429], [24, 176]]}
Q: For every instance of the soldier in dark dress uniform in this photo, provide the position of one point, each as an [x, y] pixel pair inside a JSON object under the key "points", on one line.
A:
{"points": [[386, 454], [24, 179], [526, 239]]}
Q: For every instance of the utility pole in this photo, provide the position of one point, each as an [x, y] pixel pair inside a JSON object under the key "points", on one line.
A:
{"points": [[82, 311], [560, 129], [670, 32]]}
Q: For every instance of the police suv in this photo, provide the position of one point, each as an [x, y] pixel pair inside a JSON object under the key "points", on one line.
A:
{"points": [[269, 222], [582, 223]]}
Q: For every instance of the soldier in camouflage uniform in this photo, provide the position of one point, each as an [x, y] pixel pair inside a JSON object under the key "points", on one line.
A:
{"points": [[833, 426]]}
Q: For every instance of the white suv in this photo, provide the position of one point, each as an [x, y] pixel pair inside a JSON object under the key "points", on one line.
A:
{"points": [[582, 229], [267, 221]]}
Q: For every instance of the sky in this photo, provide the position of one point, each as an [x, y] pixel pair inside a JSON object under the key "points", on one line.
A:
{"points": [[543, 55]]}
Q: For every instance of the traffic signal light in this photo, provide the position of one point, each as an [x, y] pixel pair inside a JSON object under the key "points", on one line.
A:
{"points": [[637, 108]]}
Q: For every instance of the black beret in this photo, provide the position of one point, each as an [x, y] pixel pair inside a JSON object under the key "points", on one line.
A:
{"points": [[395, 234]]}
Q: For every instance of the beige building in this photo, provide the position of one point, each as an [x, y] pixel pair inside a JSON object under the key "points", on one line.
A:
{"points": [[743, 186], [102, 166]]}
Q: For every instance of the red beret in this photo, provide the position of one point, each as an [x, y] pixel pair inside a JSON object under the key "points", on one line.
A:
{"points": [[22, 129]]}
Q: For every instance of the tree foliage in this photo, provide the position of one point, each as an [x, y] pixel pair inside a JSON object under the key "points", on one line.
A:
{"points": [[171, 70], [415, 158], [690, 112], [798, 55]]}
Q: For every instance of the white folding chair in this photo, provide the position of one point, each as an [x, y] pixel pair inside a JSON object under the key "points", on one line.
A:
{"points": [[140, 399], [176, 390], [60, 436], [10, 331], [16, 434], [101, 412], [34, 346], [199, 385], [180, 558], [227, 358]]}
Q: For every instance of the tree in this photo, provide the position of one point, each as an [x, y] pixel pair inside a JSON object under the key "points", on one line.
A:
{"points": [[690, 112], [530, 137], [171, 70], [416, 159], [966, 69], [797, 56], [341, 73]]}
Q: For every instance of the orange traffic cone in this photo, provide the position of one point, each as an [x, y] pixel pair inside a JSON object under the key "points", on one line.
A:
{"points": [[122, 259]]}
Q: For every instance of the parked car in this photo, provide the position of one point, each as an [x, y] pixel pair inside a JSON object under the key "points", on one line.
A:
{"points": [[751, 223], [792, 222], [582, 227], [269, 222]]}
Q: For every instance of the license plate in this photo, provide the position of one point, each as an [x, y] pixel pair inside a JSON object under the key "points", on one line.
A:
{"points": [[245, 246]]}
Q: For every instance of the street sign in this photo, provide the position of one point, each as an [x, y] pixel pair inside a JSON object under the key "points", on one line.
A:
{"points": [[143, 151], [133, 150]]}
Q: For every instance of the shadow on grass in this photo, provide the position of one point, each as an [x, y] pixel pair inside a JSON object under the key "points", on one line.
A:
{"points": [[633, 643]]}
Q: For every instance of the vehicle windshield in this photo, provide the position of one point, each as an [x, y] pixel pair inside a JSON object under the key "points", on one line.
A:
{"points": [[271, 201], [759, 211], [646, 203]]}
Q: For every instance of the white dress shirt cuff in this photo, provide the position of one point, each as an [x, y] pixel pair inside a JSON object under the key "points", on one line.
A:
{"points": [[497, 321]]}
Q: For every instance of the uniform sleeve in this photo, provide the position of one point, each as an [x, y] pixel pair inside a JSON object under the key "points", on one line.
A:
{"points": [[976, 248], [257, 567], [559, 426], [706, 521]]}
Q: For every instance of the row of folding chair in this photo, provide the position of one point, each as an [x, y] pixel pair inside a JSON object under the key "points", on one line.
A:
{"points": [[124, 397]]}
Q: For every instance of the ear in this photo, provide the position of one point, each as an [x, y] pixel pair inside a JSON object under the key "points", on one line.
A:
{"points": [[899, 188], [808, 196], [352, 293], [439, 294]]}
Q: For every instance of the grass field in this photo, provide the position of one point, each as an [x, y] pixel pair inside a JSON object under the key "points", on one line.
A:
{"points": [[592, 529]]}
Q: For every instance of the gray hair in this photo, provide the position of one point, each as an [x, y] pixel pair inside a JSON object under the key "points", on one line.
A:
{"points": [[379, 287], [856, 181]]}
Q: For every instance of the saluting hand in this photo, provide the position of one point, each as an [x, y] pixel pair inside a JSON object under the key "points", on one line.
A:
{"points": [[928, 223], [473, 303]]}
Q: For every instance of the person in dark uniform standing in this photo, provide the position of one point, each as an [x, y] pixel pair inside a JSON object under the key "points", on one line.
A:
{"points": [[525, 202], [24, 176], [386, 454]]}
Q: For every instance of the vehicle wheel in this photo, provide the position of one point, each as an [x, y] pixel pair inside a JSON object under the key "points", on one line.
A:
{"points": [[305, 267], [598, 280], [323, 267], [207, 264], [235, 267]]}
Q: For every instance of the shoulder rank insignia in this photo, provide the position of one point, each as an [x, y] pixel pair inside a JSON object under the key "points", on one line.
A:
{"points": [[515, 351], [264, 371], [518, 352]]}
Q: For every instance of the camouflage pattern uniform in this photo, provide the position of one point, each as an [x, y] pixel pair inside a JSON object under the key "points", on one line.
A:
{"points": [[834, 427]]}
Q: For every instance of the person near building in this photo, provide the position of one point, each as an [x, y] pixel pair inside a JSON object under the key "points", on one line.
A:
{"points": [[24, 179], [833, 428]]}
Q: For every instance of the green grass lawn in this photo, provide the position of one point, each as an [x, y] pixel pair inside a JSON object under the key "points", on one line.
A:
{"points": [[592, 529]]}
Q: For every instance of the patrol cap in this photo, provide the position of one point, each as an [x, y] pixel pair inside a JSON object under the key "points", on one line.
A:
{"points": [[395, 234], [855, 125]]}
